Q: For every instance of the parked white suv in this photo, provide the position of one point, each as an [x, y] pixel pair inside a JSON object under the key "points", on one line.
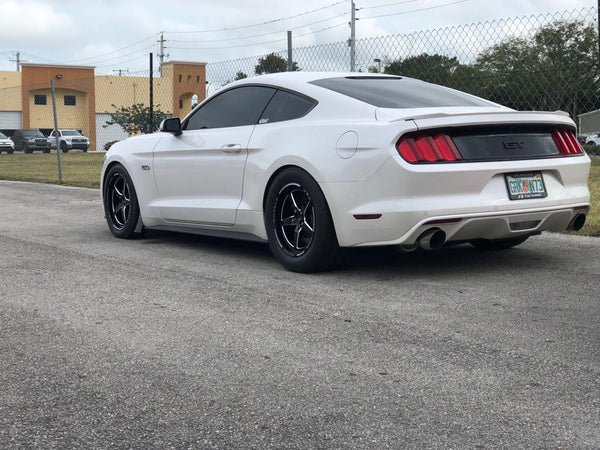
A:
{"points": [[69, 140], [593, 139], [6, 144]]}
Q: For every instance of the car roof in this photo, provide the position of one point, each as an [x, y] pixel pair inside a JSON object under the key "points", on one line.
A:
{"points": [[293, 80]]}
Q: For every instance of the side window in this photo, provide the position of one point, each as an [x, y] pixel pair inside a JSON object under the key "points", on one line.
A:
{"points": [[287, 106], [233, 108]]}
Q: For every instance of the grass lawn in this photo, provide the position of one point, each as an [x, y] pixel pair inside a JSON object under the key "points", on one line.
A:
{"points": [[83, 169], [78, 168], [592, 223]]}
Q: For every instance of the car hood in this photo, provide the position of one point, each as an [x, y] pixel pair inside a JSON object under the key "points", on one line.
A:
{"points": [[452, 116]]}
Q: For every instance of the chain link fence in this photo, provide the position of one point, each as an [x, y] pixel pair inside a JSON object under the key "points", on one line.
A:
{"points": [[544, 62]]}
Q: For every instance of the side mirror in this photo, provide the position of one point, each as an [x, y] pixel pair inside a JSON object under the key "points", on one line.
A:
{"points": [[172, 125]]}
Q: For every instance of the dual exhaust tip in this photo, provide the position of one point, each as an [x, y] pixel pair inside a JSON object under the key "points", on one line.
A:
{"points": [[577, 222], [434, 238]]}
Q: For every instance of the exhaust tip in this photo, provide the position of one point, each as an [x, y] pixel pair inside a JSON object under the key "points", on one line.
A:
{"points": [[432, 239], [577, 223]]}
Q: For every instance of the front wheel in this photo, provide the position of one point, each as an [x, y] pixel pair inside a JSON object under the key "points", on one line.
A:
{"points": [[498, 244], [298, 223], [121, 206]]}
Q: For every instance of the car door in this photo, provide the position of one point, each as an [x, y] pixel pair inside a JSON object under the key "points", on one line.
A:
{"points": [[199, 174]]}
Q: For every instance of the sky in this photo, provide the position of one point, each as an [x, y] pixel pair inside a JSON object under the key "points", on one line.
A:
{"points": [[118, 35]]}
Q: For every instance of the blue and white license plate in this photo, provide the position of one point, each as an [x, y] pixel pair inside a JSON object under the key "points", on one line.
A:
{"points": [[525, 185]]}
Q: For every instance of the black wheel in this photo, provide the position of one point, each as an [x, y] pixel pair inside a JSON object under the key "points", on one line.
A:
{"points": [[10, 151], [47, 150], [120, 203], [27, 150], [298, 223], [63, 147], [498, 244]]}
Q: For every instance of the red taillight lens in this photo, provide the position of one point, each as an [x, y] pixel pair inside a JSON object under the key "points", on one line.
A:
{"points": [[428, 148], [566, 142]]}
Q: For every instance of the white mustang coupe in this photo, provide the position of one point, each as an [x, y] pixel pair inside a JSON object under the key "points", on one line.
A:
{"points": [[312, 162]]}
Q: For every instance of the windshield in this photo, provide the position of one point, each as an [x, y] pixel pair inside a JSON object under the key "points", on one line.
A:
{"points": [[33, 133], [71, 133], [396, 92], [3, 136]]}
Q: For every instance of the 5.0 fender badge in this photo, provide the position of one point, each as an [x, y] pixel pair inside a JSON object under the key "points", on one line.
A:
{"points": [[144, 167]]}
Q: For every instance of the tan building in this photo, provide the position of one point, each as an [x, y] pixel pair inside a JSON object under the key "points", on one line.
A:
{"points": [[85, 101]]}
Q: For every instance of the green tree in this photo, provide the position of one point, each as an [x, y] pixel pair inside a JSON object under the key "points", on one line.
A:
{"points": [[135, 119], [435, 68], [555, 69], [240, 76], [273, 63]]}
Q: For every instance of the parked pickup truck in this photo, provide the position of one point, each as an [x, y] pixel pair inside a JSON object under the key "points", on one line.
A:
{"points": [[69, 140]]}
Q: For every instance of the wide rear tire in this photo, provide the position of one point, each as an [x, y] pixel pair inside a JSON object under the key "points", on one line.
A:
{"points": [[298, 223]]}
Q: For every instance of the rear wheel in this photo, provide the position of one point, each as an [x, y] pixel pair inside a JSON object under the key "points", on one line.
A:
{"points": [[298, 223], [121, 206], [498, 244]]}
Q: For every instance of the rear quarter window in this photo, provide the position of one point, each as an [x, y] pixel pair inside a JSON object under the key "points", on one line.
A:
{"points": [[287, 106]]}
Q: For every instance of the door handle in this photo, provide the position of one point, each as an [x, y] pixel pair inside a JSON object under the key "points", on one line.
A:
{"points": [[231, 148]]}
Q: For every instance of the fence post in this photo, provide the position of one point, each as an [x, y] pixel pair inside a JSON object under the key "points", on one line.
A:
{"points": [[352, 37], [290, 64], [58, 156], [150, 127]]}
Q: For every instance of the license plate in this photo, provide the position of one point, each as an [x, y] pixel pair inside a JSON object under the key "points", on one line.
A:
{"points": [[525, 185]]}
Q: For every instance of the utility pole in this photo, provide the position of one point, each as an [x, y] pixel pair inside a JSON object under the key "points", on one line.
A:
{"points": [[58, 150], [290, 62], [161, 54], [18, 59], [352, 40]]}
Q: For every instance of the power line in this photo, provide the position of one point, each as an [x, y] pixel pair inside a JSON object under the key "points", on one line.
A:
{"points": [[153, 36], [117, 63], [122, 56], [261, 23], [259, 43], [388, 4], [262, 34], [414, 10]]}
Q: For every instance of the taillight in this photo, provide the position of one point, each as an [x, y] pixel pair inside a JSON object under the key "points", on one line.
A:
{"points": [[428, 148], [566, 142]]}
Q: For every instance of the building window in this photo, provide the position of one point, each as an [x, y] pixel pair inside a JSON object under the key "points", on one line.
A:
{"points": [[70, 100], [180, 78], [198, 79], [39, 99], [180, 104]]}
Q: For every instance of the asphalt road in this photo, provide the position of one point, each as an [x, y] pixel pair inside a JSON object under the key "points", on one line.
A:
{"points": [[176, 341]]}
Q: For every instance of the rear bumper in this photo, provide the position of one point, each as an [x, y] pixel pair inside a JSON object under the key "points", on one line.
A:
{"points": [[78, 146], [466, 201], [492, 225]]}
